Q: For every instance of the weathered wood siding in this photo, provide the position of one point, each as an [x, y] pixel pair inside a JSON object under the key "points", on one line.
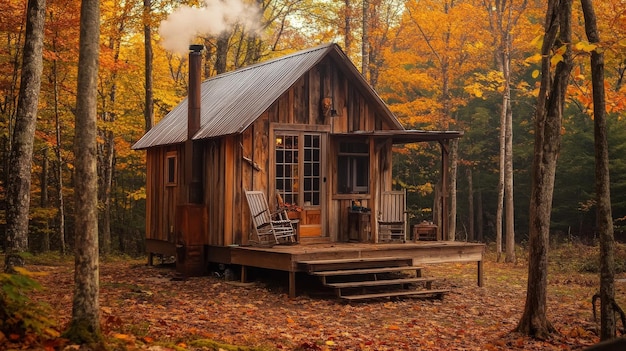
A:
{"points": [[233, 163], [162, 199]]}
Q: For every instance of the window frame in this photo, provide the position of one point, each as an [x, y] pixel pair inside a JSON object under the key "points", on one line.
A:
{"points": [[171, 168], [351, 165]]}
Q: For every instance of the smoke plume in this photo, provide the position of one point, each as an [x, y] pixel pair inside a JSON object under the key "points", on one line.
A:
{"points": [[183, 25]]}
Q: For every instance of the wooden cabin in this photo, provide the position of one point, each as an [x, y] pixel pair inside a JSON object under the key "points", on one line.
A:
{"points": [[306, 126]]}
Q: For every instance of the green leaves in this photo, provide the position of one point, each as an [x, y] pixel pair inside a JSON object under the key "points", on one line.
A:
{"points": [[19, 315]]}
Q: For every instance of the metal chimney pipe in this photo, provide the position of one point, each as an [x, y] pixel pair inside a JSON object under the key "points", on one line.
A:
{"points": [[193, 149], [195, 80]]}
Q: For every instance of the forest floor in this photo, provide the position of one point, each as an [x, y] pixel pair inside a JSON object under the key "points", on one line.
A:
{"points": [[144, 308]]}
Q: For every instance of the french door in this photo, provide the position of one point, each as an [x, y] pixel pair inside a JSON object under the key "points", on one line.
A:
{"points": [[299, 177]]}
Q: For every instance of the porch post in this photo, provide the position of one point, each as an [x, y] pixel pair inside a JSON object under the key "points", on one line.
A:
{"points": [[444, 189]]}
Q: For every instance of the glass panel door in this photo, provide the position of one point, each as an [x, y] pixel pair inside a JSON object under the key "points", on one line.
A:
{"points": [[298, 174]]}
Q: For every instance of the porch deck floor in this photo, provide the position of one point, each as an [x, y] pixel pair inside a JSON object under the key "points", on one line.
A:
{"points": [[286, 257]]}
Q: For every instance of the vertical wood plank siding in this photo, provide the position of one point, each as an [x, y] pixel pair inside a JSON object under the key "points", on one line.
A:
{"points": [[228, 172]]}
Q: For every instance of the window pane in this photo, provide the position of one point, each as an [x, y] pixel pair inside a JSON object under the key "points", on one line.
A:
{"points": [[353, 168]]}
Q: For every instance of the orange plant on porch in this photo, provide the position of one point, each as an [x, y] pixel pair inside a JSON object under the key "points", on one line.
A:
{"points": [[293, 210]]}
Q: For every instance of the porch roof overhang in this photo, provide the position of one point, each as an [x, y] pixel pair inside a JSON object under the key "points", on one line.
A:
{"points": [[406, 136]]}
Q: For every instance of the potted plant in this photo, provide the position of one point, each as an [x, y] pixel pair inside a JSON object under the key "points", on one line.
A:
{"points": [[293, 210]]}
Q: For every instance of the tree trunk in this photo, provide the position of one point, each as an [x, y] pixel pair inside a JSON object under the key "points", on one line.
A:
{"points": [[148, 113], [603, 189], [43, 199], [470, 205], [221, 54], [20, 158], [548, 115], [59, 157], [509, 220], [85, 324], [347, 35], [500, 203], [365, 40]]}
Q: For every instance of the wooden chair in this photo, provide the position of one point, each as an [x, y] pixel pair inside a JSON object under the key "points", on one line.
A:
{"points": [[392, 216], [270, 228]]}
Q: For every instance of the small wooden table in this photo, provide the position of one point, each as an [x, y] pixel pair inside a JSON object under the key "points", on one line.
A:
{"points": [[359, 226], [425, 231]]}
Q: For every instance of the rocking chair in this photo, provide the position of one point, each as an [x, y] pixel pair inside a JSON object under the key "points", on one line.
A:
{"points": [[270, 228]]}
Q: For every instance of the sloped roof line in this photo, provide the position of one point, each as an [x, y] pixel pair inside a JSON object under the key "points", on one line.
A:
{"points": [[232, 101]]}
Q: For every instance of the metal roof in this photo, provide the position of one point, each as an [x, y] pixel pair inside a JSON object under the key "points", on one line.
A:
{"points": [[233, 101]]}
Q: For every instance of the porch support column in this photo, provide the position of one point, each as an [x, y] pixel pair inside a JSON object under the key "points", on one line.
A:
{"points": [[444, 188]]}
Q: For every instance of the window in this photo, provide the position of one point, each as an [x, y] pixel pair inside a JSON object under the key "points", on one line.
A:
{"points": [[287, 167], [171, 167], [353, 168], [298, 167]]}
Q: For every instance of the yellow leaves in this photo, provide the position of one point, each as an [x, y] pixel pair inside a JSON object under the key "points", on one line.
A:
{"points": [[585, 46], [492, 81], [329, 343], [25, 272], [537, 42], [534, 59], [535, 73]]}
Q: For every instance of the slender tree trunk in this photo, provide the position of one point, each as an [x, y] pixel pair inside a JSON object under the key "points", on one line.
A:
{"points": [[347, 35], [500, 204], [603, 184], [365, 40], [43, 199], [508, 161], [59, 157], [19, 179], [85, 324], [548, 115], [470, 205], [221, 53], [106, 185], [148, 113]]}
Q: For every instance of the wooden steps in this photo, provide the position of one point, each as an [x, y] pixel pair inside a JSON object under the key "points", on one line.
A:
{"points": [[384, 282], [415, 293], [355, 263], [372, 278]]}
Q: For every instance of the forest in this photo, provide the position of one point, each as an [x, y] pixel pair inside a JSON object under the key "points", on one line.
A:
{"points": [[439, 65]]}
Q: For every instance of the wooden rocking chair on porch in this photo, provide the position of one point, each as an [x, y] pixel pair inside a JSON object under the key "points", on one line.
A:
{"points": [[392, 216], [270, 228]]}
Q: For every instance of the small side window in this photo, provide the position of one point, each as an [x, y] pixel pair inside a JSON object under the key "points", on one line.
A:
{"points": [[353, 168], [171, 167]]}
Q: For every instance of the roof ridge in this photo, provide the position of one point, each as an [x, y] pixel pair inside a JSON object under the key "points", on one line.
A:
{"points": [[271, 61]]}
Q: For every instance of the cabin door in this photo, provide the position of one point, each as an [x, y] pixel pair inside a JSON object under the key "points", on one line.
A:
{"points": [[300, 178]]}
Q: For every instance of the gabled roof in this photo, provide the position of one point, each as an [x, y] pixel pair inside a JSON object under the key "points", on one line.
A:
{"points": [[232, 101]]}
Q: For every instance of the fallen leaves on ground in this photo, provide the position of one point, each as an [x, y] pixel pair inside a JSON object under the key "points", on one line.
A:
{"points": [[142, 308]]}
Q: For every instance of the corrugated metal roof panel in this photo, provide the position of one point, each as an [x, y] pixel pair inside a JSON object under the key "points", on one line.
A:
{"points": [[234, 100]]}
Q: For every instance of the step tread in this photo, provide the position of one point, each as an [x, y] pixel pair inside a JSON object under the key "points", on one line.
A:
{"points": [[382, 282], [361, 259], [396, 293], [365, 271]]}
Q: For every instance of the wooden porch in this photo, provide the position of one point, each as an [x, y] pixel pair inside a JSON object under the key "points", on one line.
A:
{"points": [[299, 257]]}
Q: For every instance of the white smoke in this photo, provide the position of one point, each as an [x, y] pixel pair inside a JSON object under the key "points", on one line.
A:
{"points": [[183, 25]]}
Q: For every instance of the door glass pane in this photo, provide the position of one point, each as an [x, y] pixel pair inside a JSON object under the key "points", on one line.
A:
{"points": [[312, 164], [286, 151]]}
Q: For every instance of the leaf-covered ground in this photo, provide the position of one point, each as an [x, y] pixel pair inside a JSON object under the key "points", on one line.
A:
{"points": [[144, 308]]}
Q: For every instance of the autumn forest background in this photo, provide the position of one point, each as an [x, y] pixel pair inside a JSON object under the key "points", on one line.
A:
{"points": [[437, 63]]}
